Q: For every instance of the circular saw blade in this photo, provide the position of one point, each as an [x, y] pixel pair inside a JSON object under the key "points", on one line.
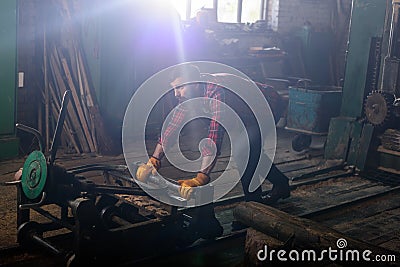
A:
{"points": [[378, 107]]}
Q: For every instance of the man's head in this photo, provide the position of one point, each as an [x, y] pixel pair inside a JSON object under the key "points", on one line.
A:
{"points": [[183, 81]]}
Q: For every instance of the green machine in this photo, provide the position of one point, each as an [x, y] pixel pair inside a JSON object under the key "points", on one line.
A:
{"points": [[8, 59], [366, 134]]}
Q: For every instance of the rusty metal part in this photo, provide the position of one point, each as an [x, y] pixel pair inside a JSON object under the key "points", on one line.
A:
{"points": [[147, 206], [379, 107]]}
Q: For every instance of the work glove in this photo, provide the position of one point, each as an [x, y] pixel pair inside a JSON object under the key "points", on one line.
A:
{"points": [[151, 167], [186, 188]]}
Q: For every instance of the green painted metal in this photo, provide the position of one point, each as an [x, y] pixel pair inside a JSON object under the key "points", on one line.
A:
{"points": [[8, 55], [34, 174], [311, 108], [337, 144], [8, 37], [367, 21], [8, 147], [355, 136], [364, 145], [344, 141]]}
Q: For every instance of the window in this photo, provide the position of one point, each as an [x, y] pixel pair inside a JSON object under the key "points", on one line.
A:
{"points": [[196, 5], [251, 10], [180, 6], [227, 10]]}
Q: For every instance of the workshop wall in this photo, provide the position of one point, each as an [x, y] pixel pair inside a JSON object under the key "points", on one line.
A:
{"points": [[315, 34], [30, 50], [289, 15], [125, 45]]}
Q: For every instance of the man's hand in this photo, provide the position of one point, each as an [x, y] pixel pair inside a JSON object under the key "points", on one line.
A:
{"points": [[151, 167], [187, 185]]}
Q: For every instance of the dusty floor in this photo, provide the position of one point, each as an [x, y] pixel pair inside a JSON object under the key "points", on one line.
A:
{"points": [[8, 168], [8, 226], [375, 220]]}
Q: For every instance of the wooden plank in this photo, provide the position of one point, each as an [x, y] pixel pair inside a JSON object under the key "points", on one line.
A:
{"points": [[71, 111], [367, 228], [328, 193], [78, 105], [46, 92], [359, 211], [85, 104], [100, 135], [67, 127]]}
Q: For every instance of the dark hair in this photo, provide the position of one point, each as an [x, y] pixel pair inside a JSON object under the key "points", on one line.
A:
{"points": [[188, 72]]}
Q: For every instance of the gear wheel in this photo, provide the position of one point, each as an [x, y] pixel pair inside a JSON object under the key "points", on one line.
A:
{"points": [[379, 107]]}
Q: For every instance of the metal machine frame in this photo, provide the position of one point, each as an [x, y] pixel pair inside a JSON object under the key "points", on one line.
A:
{"points": [[102, 224]]}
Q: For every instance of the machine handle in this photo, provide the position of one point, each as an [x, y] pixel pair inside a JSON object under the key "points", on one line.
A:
{"points": [[59, 126], [35, 132], [33, 205], [11, 183], [305, 82]]}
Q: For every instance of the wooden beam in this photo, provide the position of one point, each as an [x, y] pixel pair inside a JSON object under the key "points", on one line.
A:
{"points": [[305, 233], [78, 105], [55, 65]]}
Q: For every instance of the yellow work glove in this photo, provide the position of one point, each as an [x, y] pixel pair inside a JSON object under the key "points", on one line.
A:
{"points": [[151, 167], [186, 188]]}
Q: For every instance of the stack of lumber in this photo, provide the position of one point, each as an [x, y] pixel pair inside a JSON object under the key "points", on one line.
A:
{"points": [[65, 68], [391, 139]]}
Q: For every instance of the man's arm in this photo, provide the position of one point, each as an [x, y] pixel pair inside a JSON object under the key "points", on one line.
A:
{"points": [[158, 152], [210, 149], [207, 164], [154, 162], [167, 137], [215, 131]]}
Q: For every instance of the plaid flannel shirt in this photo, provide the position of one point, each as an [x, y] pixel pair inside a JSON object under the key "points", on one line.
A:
{"points": [[212, 92]]}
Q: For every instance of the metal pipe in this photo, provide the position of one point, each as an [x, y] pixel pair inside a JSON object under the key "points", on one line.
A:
{"points": [[239, 11], [120, 221], [45, 244], [59, 127], [34, 205], [10, 183], [97, 167], [51, 217], [119, 190]]}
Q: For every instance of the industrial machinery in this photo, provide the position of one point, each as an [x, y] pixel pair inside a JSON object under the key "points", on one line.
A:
{"points": [[381, 106], [98, 222], [366, 134]]}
